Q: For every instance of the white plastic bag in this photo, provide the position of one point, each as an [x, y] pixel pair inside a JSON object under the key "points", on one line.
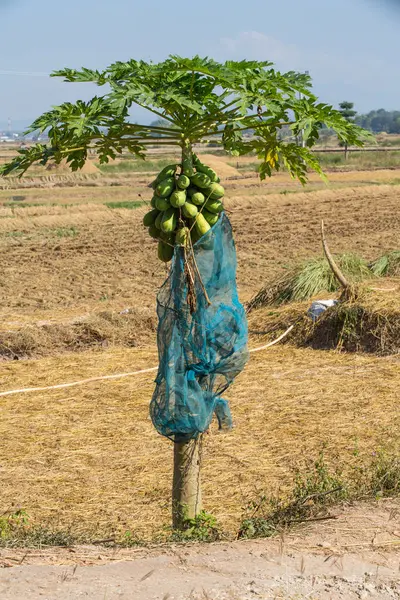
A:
{"points": [[318, 307]]}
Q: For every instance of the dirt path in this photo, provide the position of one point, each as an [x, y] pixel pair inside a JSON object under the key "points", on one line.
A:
{"points": [[353, 556]]}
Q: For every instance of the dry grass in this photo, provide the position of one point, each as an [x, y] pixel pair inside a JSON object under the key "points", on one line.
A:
{"points": [[220, 165], [92, 192], [33, 218], [29, 212], [88, 167], [89, 459]]}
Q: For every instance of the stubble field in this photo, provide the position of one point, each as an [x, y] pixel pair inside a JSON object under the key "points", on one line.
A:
{"points": [[78, 279]]}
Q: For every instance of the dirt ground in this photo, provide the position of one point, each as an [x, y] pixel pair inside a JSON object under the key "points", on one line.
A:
{"points": [[353, 555], [87, 260]]}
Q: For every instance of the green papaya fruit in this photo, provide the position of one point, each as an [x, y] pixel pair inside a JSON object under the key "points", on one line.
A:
{"points": [[201, 180], [157, 222], [214, 192], [211, 218], [168, 171], [183, 182], [165, 187], [182, 236], [178, 198], [201, 225], [167, 237], [162, 204], [154, 232], [150, 217], [214, 206], [200, 168], [189, 210], [197, 198], [165, 251], [169, 220], [195, 159], [153, 201]]}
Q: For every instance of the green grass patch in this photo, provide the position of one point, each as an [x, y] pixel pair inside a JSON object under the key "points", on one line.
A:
{"points": [[137, 166], [16, 530], [130, 204], [387, 265], [203, 528], [25, 205], [35, 204], [309, 278], [360, 160], [318, 488], [14, 234], [357, 160], [65, 232]]}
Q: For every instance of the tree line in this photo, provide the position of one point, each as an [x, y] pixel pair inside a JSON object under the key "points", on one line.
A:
{"points": [[378, 121]]}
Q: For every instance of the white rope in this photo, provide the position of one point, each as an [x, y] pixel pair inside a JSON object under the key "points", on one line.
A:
{"points": [[275, 341], [117, 375]]}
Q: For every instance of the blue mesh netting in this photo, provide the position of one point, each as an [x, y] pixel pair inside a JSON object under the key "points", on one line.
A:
{"points": [[200, 354]]}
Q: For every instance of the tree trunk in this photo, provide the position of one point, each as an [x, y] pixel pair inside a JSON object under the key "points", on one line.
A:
{"points": [[187, 152], [186, 488], [345, 152]]}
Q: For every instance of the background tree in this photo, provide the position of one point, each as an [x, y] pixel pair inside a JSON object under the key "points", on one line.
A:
{"points": [[346, 109]]}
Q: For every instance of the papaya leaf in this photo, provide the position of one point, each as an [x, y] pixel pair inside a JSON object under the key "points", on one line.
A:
{"points": [[247, 106]]}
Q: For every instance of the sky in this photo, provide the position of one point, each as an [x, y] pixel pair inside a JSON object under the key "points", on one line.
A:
{"points": [[350, 47]]}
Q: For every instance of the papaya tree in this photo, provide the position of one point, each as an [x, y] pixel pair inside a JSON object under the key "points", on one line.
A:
{"points": [[244, 107]]}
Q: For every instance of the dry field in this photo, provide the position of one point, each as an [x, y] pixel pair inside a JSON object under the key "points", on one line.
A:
{"points": [[87, 458]]}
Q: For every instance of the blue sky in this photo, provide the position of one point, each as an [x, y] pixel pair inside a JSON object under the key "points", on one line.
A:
{"points": [[350, 47]]}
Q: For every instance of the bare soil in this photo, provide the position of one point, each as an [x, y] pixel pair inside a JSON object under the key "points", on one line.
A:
{"points": [[353, 556], [108, 259]]}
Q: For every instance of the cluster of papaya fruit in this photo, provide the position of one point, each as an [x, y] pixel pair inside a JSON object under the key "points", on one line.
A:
{"points": [[186, 202]]}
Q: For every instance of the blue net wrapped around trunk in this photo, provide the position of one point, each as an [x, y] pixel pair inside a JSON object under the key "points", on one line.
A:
{"points": [[202, 347]]}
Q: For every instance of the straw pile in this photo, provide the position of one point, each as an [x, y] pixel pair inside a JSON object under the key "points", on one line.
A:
{"points": [[89, 167], [135, 327], [219, 165], [305, 280], [370, 323]]}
